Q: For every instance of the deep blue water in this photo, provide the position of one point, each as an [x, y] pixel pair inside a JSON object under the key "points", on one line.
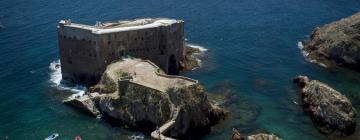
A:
{"points": [[252, 45]]}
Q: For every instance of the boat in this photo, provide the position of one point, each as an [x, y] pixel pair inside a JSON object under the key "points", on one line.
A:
{"points": [[137, 137], [52, 136], [77, 138]]}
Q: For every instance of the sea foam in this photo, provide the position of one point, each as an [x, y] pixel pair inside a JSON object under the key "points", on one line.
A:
{"points": [[198, 56], [197, 47], [306, 54], [57, 81]]}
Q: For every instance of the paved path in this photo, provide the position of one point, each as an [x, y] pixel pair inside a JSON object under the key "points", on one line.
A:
{"points": [[158, 134], [144, 73]]}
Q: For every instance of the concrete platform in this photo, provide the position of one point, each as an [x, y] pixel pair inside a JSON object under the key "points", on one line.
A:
{"points": [[146, 73]]}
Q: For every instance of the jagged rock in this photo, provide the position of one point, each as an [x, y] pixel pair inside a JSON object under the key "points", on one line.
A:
{"points": [[84, 103], [189, 62], [336, 43], [236, 135], [261, 136], [137, 94], [331, 111]]}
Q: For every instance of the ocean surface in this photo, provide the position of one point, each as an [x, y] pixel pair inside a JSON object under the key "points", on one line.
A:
{"points": [[252, 55]]}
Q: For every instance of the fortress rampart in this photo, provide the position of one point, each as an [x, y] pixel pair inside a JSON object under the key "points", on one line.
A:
{"points": [[85, 51]]}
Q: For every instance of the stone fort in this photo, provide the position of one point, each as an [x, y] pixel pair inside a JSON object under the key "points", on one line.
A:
{"points": [[86, 51]]}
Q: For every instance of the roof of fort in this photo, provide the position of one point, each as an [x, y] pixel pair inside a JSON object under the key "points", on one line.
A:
{"points": [[121, 25], [144, 72]]}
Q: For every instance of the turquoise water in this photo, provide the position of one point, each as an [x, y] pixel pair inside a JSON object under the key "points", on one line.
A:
{"points": [[252, 51]]}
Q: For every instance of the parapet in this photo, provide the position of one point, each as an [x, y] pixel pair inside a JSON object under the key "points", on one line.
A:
{"points": [[121, 25]]}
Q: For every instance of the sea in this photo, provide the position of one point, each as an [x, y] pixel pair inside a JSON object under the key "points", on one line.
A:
{"points": [[252, 55]]}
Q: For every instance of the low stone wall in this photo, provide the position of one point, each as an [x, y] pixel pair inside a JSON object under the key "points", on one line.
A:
{"points": [[170, 76]]}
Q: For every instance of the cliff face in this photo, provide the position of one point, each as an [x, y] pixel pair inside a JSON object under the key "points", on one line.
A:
{"points": [[336, 43], [331, 111], [178, 107]]}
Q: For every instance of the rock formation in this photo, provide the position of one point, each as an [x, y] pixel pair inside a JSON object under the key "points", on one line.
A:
{"points": [[261, 136], [336, 43], [189, 62], [136, 94], [330, 111]]}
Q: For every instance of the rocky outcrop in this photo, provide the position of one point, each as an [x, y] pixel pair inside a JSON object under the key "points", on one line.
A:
{"points": [[190, 62], [337, 43], [84, 103], [136, 94], [330, 111], [261, 136]]}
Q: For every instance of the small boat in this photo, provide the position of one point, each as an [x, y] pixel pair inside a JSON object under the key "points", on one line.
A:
{"points": [[295, 102], [52, 136], [77, 138], [137, 137]]}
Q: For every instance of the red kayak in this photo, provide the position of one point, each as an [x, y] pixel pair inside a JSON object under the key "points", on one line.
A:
{"points": [[77, 138]]}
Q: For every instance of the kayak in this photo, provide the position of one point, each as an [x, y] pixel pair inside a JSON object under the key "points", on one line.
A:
{"points": [[52, 136]]}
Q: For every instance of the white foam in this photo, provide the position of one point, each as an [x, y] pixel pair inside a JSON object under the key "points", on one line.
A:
{"points": [[201, 48], [198, 55], [301, 47], [1, 25], [306, 54], [56, 80], [137, 137]]}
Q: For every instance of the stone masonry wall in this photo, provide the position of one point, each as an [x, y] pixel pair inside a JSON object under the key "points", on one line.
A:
{"points": [[84, 55]]}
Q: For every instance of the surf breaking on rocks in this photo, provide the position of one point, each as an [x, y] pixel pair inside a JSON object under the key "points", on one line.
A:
{"points": [[198, 56], [57, 81]]}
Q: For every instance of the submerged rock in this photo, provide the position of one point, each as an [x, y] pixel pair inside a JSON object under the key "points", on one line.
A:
{"points": [[331, 111], [261, 136], [336, 43], [136, 94]]}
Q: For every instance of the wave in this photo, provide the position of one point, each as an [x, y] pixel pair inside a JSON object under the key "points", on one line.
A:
{"points": [[306, 54], [198, 56], [57, 81], [137, 137], [201, 48], [1, 26]]}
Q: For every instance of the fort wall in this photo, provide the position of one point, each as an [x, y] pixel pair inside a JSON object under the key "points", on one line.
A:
{"points": [[85, 50]]}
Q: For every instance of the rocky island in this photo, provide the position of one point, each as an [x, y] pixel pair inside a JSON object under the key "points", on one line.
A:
{"points": [[336, 44], [330, 111], [136, 93], [130, 68]]}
